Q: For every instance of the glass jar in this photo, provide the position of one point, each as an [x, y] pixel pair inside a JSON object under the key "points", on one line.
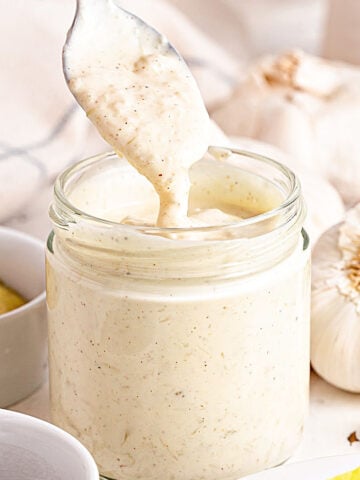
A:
{"points": [[180, 353]]}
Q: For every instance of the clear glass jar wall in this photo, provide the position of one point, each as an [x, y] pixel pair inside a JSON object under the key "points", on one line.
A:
{"points": [[180, 353]]}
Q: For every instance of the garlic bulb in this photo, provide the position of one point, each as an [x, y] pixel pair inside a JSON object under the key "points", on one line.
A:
{"points": [[335, 327], [308, 107], [324, 204]]}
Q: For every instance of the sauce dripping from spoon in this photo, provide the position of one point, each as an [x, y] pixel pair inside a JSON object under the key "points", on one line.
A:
{"points": [[142, 98]]}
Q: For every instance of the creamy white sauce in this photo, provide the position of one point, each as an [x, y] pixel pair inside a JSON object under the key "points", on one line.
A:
{"points": [[160, 364], [192, 381], [173, 357], [141, 97]]}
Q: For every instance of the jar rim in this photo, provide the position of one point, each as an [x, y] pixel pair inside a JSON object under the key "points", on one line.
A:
{"points": [[291, 198]]}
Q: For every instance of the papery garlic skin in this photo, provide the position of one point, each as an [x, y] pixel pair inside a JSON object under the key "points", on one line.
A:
{"points": [[308, 107], [335, 322]]}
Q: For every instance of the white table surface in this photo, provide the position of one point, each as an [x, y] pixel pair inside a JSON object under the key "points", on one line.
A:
{"points": [[334, 415]]}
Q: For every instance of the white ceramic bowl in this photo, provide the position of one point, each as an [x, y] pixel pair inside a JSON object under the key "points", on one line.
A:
{"points": [[23, 331], [31, 449]]}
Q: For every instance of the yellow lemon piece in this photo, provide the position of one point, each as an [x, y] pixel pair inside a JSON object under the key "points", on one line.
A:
{"points": [[354, 475], [9, 299]]}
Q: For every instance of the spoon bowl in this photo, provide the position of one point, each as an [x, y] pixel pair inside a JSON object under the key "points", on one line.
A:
{"points": [[93, 10]]}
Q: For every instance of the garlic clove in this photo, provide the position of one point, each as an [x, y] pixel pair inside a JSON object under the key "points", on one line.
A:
{"points": [[240, 113], [287, 126], [324, 205], [335, 322], [308, 107], [335, 353]]}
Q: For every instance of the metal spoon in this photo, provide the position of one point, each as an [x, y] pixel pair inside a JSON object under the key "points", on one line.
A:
{"points": [[99, 25]]}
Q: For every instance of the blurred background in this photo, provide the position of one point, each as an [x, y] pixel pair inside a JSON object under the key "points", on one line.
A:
{"points": [[42, 130]]}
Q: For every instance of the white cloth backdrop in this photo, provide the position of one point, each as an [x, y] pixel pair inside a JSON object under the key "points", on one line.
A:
{"points": [[42, 130]]}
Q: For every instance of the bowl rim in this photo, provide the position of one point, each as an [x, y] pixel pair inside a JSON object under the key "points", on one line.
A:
{"points": [[40, 298], [63, 437]]}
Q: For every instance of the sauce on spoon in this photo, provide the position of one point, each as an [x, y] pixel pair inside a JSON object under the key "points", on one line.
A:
{"points": [[141, 97]]}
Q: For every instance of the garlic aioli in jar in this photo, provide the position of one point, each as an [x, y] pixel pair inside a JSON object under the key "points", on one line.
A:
{"points": [[178, 290], [179, 353]]}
